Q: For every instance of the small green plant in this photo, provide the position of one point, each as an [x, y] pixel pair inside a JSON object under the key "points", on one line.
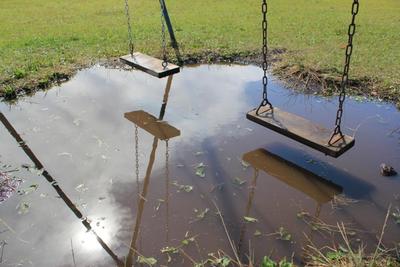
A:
{"points": [[268, 262], [19, 73], [44, 83], [9, 92]]}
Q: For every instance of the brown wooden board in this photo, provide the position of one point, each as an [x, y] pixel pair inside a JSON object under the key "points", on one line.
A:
{"points": [[149, 123], [150, 65], [302, 130], [316, 187]]}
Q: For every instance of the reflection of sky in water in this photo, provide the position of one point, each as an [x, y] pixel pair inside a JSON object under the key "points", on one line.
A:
{"points": [[79, 133]]}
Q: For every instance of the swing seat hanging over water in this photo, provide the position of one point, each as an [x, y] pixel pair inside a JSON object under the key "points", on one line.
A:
{"points": [[333, 143], [150, 65], [153, 66], [303, 131]]}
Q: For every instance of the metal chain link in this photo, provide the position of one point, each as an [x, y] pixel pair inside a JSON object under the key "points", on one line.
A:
{"points": [[130, 35], [167, 188], [137, 160], [265, 101], [167, 159], [345, 76], [163, 40]]}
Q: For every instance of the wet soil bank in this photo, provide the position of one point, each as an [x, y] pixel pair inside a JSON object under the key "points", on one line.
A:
{"points": [[298, 77]]}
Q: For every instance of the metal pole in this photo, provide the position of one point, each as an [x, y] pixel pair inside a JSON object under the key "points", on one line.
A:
{"points": [[174, 43], [165, 99]]}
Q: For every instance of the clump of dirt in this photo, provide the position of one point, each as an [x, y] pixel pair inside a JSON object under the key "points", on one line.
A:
{"points": [[8, 186], [328, 83], [11, 90]]}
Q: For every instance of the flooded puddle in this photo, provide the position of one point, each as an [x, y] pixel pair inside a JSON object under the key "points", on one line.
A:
{"points": [[89, 188]]}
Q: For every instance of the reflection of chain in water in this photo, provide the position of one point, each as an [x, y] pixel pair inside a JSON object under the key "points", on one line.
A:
{"points": [[137, 167], [141, 203], [158, 135], [167, 190], [137, 160], [252, 190], [2, 244]]}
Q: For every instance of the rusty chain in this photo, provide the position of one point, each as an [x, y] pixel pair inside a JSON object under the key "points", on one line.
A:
{"points": [[130, 35], [345, 76], [265, 101], [167, 188], [137, 160]]}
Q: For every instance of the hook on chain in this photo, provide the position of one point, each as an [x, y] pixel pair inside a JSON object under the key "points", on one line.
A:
{"points": [[265, 102], [345, 76]]}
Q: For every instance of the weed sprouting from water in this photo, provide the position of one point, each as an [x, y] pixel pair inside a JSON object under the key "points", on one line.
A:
{"points": [[347, 256]]}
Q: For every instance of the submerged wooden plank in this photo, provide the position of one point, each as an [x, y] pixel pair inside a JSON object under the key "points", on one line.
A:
{"points": [[152, 125], [150, 65], [302, 130], [316, 187]]}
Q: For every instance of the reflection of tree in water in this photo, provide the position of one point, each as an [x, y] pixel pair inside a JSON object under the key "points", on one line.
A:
{"points": [[56, 187]]}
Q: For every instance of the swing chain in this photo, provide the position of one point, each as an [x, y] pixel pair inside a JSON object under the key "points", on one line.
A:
{"points": [[345, 75], [128, 17], [137, 158], [167, 160], [163, 39], [167, 187], [265, 101]]}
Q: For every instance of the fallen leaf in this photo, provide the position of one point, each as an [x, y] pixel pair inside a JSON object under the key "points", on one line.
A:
{"points": [[202, 214], [28, 190], [250, 219], [244, 164], [66, 154], [201, 170], [186, 188], [23, 208], [257, 233], [149, 261], [284, 234], [239, 182], [32, 169], [81, 188], [172, 250]]}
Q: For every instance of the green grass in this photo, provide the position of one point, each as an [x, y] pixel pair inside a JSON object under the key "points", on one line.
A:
{"points": [[40, 38]]}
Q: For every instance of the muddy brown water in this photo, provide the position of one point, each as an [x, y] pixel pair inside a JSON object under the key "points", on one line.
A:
{"points": [[79, 134]]}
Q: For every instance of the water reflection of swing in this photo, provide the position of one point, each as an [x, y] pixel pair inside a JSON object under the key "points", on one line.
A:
{"points": [[161, 131], [57, 188], [314, 186]]}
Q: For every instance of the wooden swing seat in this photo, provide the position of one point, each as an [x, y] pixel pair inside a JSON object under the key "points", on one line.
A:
{"points": [[150, 65], [302, 130], [149, 123]]}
